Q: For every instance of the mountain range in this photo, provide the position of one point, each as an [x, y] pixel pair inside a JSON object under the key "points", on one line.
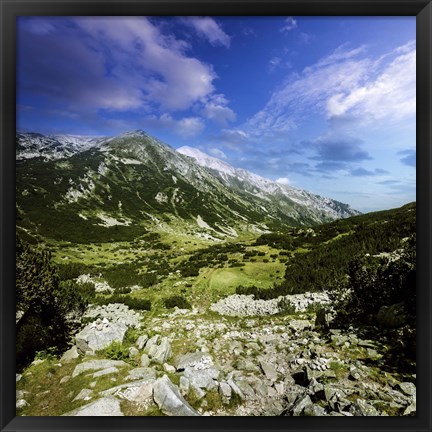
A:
{"points": [[94, 189]]}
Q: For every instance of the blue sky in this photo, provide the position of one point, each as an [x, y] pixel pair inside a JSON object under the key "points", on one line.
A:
{"points": [[325, 104]]}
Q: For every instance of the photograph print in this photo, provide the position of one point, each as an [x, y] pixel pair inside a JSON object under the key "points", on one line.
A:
{"points": [[215, 216]]}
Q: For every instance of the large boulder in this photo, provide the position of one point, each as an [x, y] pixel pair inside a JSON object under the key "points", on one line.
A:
{"points": [[202, 378], [102, 407], [98, 335], [167, 396]]}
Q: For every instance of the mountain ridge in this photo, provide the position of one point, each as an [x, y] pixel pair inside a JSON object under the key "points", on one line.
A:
{"points": [[134, 182]]}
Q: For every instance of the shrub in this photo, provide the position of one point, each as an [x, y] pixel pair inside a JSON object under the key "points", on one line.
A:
{"points": [[50, 309], [116, 351], [179, 301]]}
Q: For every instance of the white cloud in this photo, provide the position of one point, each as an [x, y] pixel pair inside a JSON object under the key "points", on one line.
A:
{"points": [[283, 180], [346, 82], [274, 63], [160, 69], [217, 153], [209, 29], [290, 24], [186, 127], [392, 94], [216, 109]]}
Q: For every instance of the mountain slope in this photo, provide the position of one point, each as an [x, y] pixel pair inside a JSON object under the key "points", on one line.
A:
{"points": [[86, 189], [243, 180]]}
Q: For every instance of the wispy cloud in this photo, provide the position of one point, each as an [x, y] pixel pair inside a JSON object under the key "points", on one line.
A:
{"points": [[362, 172], [409, 157], [347, 86], [186, 127], [215, 107], [390, 93], [209, 29], [217, 153], [289, 24]]}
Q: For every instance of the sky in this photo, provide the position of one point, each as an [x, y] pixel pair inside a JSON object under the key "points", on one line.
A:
{"points": [[325, 104]]}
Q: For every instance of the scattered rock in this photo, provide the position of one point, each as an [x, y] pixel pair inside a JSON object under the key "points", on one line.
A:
{"points": [[106, 371], [197, 360], [98, 336], [168, 368], [168, 398], [269, 371], [84, 394], [145, 360], [102, 407], [133, 352], [21, 403], [70, 355], [301, 404], [408, 388], [141, 341], [97, 365]]}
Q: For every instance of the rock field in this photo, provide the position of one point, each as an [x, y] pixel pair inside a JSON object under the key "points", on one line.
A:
{"points": [[205, 364]]}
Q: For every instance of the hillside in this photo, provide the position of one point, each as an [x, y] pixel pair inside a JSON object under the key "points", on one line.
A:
{"points": [[112, 189]]}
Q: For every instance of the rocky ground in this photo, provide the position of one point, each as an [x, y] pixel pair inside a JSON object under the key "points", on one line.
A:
{"points": [[239, 359]]}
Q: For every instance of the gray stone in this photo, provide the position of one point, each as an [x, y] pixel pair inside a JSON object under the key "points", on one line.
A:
{"points": [[101, 407], [145, 360], [84, 394], [96, 338], [141, 341], [235, 388], [159, 353], [70, 355], [65, 379], [141, 373], [169, 400], [202, 378], [133, 352], [361, 408], [225, 390], [141, 394], [125, 388], [151, 344], [411, 409], [199, 393], [246, 389], [198, 360], [408, 388], [18, 377], [97, 365], [314, 411], [269, 371], [260, 388], [21, 403], [169, 368], [106, 371], [301, 404], [299, 325]]}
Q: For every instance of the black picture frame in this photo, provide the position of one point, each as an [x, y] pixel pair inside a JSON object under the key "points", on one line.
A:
{"points": [[10, 9]]}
